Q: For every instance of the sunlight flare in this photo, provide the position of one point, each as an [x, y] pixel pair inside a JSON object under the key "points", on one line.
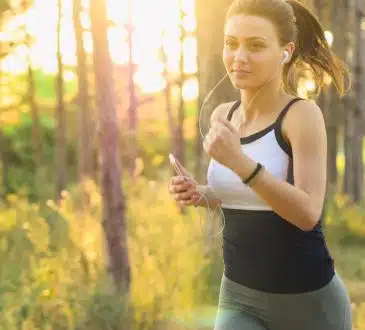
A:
{"points": [[150, 34]]}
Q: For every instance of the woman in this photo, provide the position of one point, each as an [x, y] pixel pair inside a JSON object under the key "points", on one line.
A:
{"points": [[268, 171]]}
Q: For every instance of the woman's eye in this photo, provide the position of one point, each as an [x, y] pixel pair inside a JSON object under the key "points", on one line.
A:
{"points": [[256, 46], [231, 44]]}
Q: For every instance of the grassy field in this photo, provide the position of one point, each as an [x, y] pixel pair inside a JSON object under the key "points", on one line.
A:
{"points": [[53, 275]]}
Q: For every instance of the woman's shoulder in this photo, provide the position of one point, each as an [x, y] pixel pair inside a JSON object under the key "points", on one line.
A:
{"points": [[303, 113], [304, 118], [221, 111]]}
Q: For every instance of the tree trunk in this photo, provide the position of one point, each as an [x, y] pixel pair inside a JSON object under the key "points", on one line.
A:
{"points": [[36, 127], [36, 131], [349, 113], [210, 26], [61, 147], [168, 102], [114, 221], [179, 128], [5, 164], [133, 102], [359, 107], [86, 145], [335, 117]]}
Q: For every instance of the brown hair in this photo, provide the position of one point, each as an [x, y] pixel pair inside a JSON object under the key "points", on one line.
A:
{"points": [[294, 22]]}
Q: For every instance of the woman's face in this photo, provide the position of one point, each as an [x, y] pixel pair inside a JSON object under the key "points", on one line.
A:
{"points": [[251, 53]]}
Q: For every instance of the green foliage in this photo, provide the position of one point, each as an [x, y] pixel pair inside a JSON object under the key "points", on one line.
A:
{"points": [[41, 281], [345, 233], [167, 255], [53, 264], [45, 85], [154, 145], [190, 109], [19, 160], [345, 221], [359, 316]]}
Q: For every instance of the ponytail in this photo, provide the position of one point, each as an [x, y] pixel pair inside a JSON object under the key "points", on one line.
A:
{"points": [[313, 51]]}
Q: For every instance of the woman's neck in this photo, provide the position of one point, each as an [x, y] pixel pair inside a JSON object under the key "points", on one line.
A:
{"points": [[260, 100]]}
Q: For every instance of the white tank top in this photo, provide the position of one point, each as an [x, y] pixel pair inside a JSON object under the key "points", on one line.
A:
{"points": [[267, 147]]}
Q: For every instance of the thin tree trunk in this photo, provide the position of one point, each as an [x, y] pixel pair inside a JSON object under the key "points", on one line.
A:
{"points": [[168, 102], [133, 102], [86, 146], [359, 107], [114, 221], [179, 128], [61, 147], [36, 127], [335, 117], [349, 114], [36, 132], [5, 164]]}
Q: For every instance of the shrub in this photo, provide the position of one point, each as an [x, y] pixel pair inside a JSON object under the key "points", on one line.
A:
{"points": [[53, 264]]}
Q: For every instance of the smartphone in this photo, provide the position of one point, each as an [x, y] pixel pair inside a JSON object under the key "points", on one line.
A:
{"points": [[174, 164]]}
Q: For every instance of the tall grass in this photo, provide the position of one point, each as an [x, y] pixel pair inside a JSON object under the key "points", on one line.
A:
{"points": [[52, 257], [52, 273]]}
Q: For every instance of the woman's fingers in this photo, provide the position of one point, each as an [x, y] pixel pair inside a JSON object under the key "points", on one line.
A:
{"points": [[183, 190], [191, 201], [178, 184], [184, 195], [182, 187]]}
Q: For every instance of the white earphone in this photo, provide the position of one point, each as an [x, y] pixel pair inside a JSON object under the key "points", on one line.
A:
{"points": [[286, 57]]}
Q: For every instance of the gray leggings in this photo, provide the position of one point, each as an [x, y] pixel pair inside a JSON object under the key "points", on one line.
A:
{"points": [[242, 308]]}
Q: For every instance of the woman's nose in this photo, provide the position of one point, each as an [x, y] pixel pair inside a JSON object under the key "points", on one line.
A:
{"points": [[241, 54]]}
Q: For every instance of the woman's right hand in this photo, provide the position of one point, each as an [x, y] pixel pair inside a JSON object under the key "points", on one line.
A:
{"points": [[183, 188]]}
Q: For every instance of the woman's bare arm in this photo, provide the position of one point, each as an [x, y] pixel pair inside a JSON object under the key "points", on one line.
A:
{"points": [[300, 204]]}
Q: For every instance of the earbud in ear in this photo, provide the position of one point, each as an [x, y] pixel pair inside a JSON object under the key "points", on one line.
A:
{"points": [[286, 57]]}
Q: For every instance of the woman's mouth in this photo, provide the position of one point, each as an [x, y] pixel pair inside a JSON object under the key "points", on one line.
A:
{"points": [[241, 73]]}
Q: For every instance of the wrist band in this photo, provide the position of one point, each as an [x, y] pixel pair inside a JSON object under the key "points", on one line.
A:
{"points": [[254, 173]]}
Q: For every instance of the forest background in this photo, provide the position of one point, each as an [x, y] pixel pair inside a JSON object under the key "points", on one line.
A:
{"points": [[94, 95]]}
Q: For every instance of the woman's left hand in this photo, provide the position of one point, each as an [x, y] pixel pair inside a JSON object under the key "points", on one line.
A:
{"points": [[223, 144]]}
